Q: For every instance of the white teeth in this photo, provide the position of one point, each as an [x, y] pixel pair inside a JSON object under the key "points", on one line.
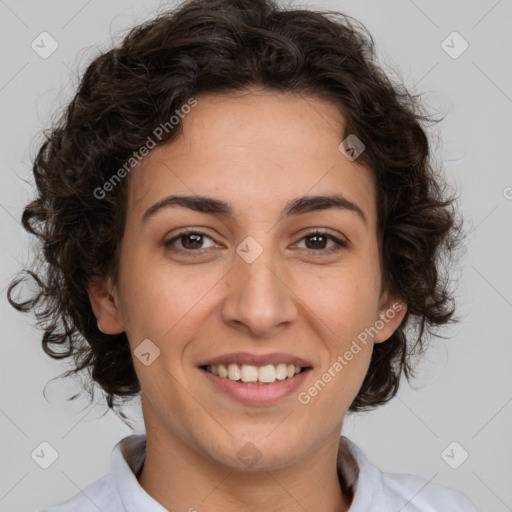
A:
{"points": [[234, 372], [281, 371], [250, 373], [267, 373], [223, 371]]}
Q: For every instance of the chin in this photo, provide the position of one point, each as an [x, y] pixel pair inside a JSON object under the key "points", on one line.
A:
{"points": [[258, 452]]}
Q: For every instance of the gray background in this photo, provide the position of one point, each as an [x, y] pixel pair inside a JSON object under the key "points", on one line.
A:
{"points": [[463, 390]]}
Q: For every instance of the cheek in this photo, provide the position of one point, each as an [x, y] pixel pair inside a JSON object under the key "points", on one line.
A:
{"points": [[155, 297], [346, 300]]}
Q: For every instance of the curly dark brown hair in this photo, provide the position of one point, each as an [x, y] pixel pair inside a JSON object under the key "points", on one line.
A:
{"points": [[227, 46]]}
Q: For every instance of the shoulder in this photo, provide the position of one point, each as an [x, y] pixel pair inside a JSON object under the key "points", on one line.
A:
{"points": [[422, 495], [99, 495], [117, 490], [377, 490]]}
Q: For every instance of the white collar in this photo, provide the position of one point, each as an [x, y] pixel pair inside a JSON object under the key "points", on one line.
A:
{"points": [[354, 472]]}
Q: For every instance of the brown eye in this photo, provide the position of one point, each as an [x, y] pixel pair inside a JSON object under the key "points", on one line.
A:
{"points": [[318, 241], [189, 240]]}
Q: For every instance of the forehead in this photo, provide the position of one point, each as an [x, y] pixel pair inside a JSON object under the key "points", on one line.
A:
{"points": [[255, 149]]}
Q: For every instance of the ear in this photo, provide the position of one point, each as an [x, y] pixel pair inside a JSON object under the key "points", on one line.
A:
{"points": [[391, 313], [105, 306]]}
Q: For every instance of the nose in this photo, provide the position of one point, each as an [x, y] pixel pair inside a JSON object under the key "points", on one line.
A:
{"points": [[259, 298]]}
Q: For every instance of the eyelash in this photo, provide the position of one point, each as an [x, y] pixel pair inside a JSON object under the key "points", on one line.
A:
{"points": [[340, 245]]}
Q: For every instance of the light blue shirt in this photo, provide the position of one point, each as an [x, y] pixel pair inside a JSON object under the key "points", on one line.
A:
{"points": [[373, 490]]}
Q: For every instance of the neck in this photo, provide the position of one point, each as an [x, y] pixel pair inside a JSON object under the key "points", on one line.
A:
{"points": [[181, 478]]}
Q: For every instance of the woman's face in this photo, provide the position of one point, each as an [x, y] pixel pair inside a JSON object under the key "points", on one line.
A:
{"points": [[254, 281]]}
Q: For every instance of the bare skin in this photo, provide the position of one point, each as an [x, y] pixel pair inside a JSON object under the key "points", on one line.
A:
{"points": [[256, 151]]}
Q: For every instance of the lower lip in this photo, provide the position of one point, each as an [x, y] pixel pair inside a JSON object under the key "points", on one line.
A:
{"points": [[257, 394]]}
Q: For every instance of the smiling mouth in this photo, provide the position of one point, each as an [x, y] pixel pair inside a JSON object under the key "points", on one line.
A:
{"points": [[251, 374]]}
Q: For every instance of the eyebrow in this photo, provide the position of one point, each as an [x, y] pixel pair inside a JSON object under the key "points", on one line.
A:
{"points": [[297, 206]]}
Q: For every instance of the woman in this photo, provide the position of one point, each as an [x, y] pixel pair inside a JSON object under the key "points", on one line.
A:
{"points": [[240, 219]]}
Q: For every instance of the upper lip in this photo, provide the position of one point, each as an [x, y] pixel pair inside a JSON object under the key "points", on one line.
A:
{"points": [[256, 359]]}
